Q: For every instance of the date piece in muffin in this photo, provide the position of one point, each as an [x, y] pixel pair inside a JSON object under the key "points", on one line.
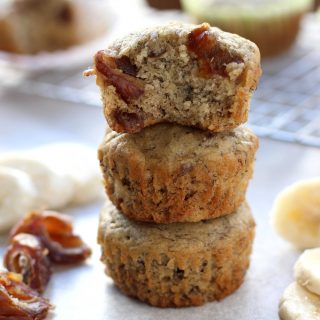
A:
{"points": [[176, 265], [169, 173], [193, 75]]}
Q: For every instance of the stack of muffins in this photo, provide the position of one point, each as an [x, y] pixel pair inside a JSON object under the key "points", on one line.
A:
{"points": [[178, 165], [251, 19]]}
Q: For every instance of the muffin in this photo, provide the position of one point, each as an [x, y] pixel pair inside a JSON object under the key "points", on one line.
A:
{"points": [[192, 75], [32, 26], [272, 24], [169, 173], [176, 265]]}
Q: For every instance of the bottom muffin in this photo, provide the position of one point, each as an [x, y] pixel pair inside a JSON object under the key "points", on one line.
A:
{"points": [[176, 265]]}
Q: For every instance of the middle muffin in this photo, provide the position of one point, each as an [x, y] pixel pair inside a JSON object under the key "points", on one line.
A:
{"points": [[169, 173]]}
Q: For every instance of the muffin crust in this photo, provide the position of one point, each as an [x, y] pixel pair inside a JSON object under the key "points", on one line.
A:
{"points": [[169, 173], [176, 265]]}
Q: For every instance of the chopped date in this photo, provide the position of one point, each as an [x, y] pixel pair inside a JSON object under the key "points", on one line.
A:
{"points": [[130, 122], [121, 74], [55, 232], [126, 66], [18, 301], [212, 58], [27, 256]]}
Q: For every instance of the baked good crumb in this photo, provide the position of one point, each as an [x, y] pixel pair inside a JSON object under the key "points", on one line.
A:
{"points": [[193, 75], [169, 173]]}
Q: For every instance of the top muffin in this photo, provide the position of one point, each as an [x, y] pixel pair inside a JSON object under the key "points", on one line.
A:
{"points": [[193, 75]]}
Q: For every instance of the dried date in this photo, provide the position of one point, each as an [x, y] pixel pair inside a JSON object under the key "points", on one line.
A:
{"points": [[65, 14], [27, 256], [212, 58], [55, 231], [126, 66], [18, 301], [121, 74], [129, 122]]}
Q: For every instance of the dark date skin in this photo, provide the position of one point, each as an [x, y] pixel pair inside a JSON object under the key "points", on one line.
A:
{"points": [[20, 302], [27, 256], [121, 74], [126, 66], [55, 232], [212, 58]]}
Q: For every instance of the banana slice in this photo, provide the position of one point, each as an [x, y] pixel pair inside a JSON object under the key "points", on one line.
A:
{"points": [[299, 304], [296, 214], [79, 163], [54, 190], [307, 270], [17, 196]]}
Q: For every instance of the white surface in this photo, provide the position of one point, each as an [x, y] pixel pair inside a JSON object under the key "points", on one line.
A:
{"points": [[84, 292]]}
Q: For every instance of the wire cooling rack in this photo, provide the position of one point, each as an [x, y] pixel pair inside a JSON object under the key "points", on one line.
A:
{"points": [[285, 107]]}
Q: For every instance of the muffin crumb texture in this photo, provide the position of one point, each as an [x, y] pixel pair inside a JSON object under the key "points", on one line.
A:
{"points": [[192, 75]]}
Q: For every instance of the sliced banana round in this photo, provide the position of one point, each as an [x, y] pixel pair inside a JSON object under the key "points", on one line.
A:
{"points": [[78, 162], [17, 196], [296, 214], [54, 190], [307, 270], [298, 303]]}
